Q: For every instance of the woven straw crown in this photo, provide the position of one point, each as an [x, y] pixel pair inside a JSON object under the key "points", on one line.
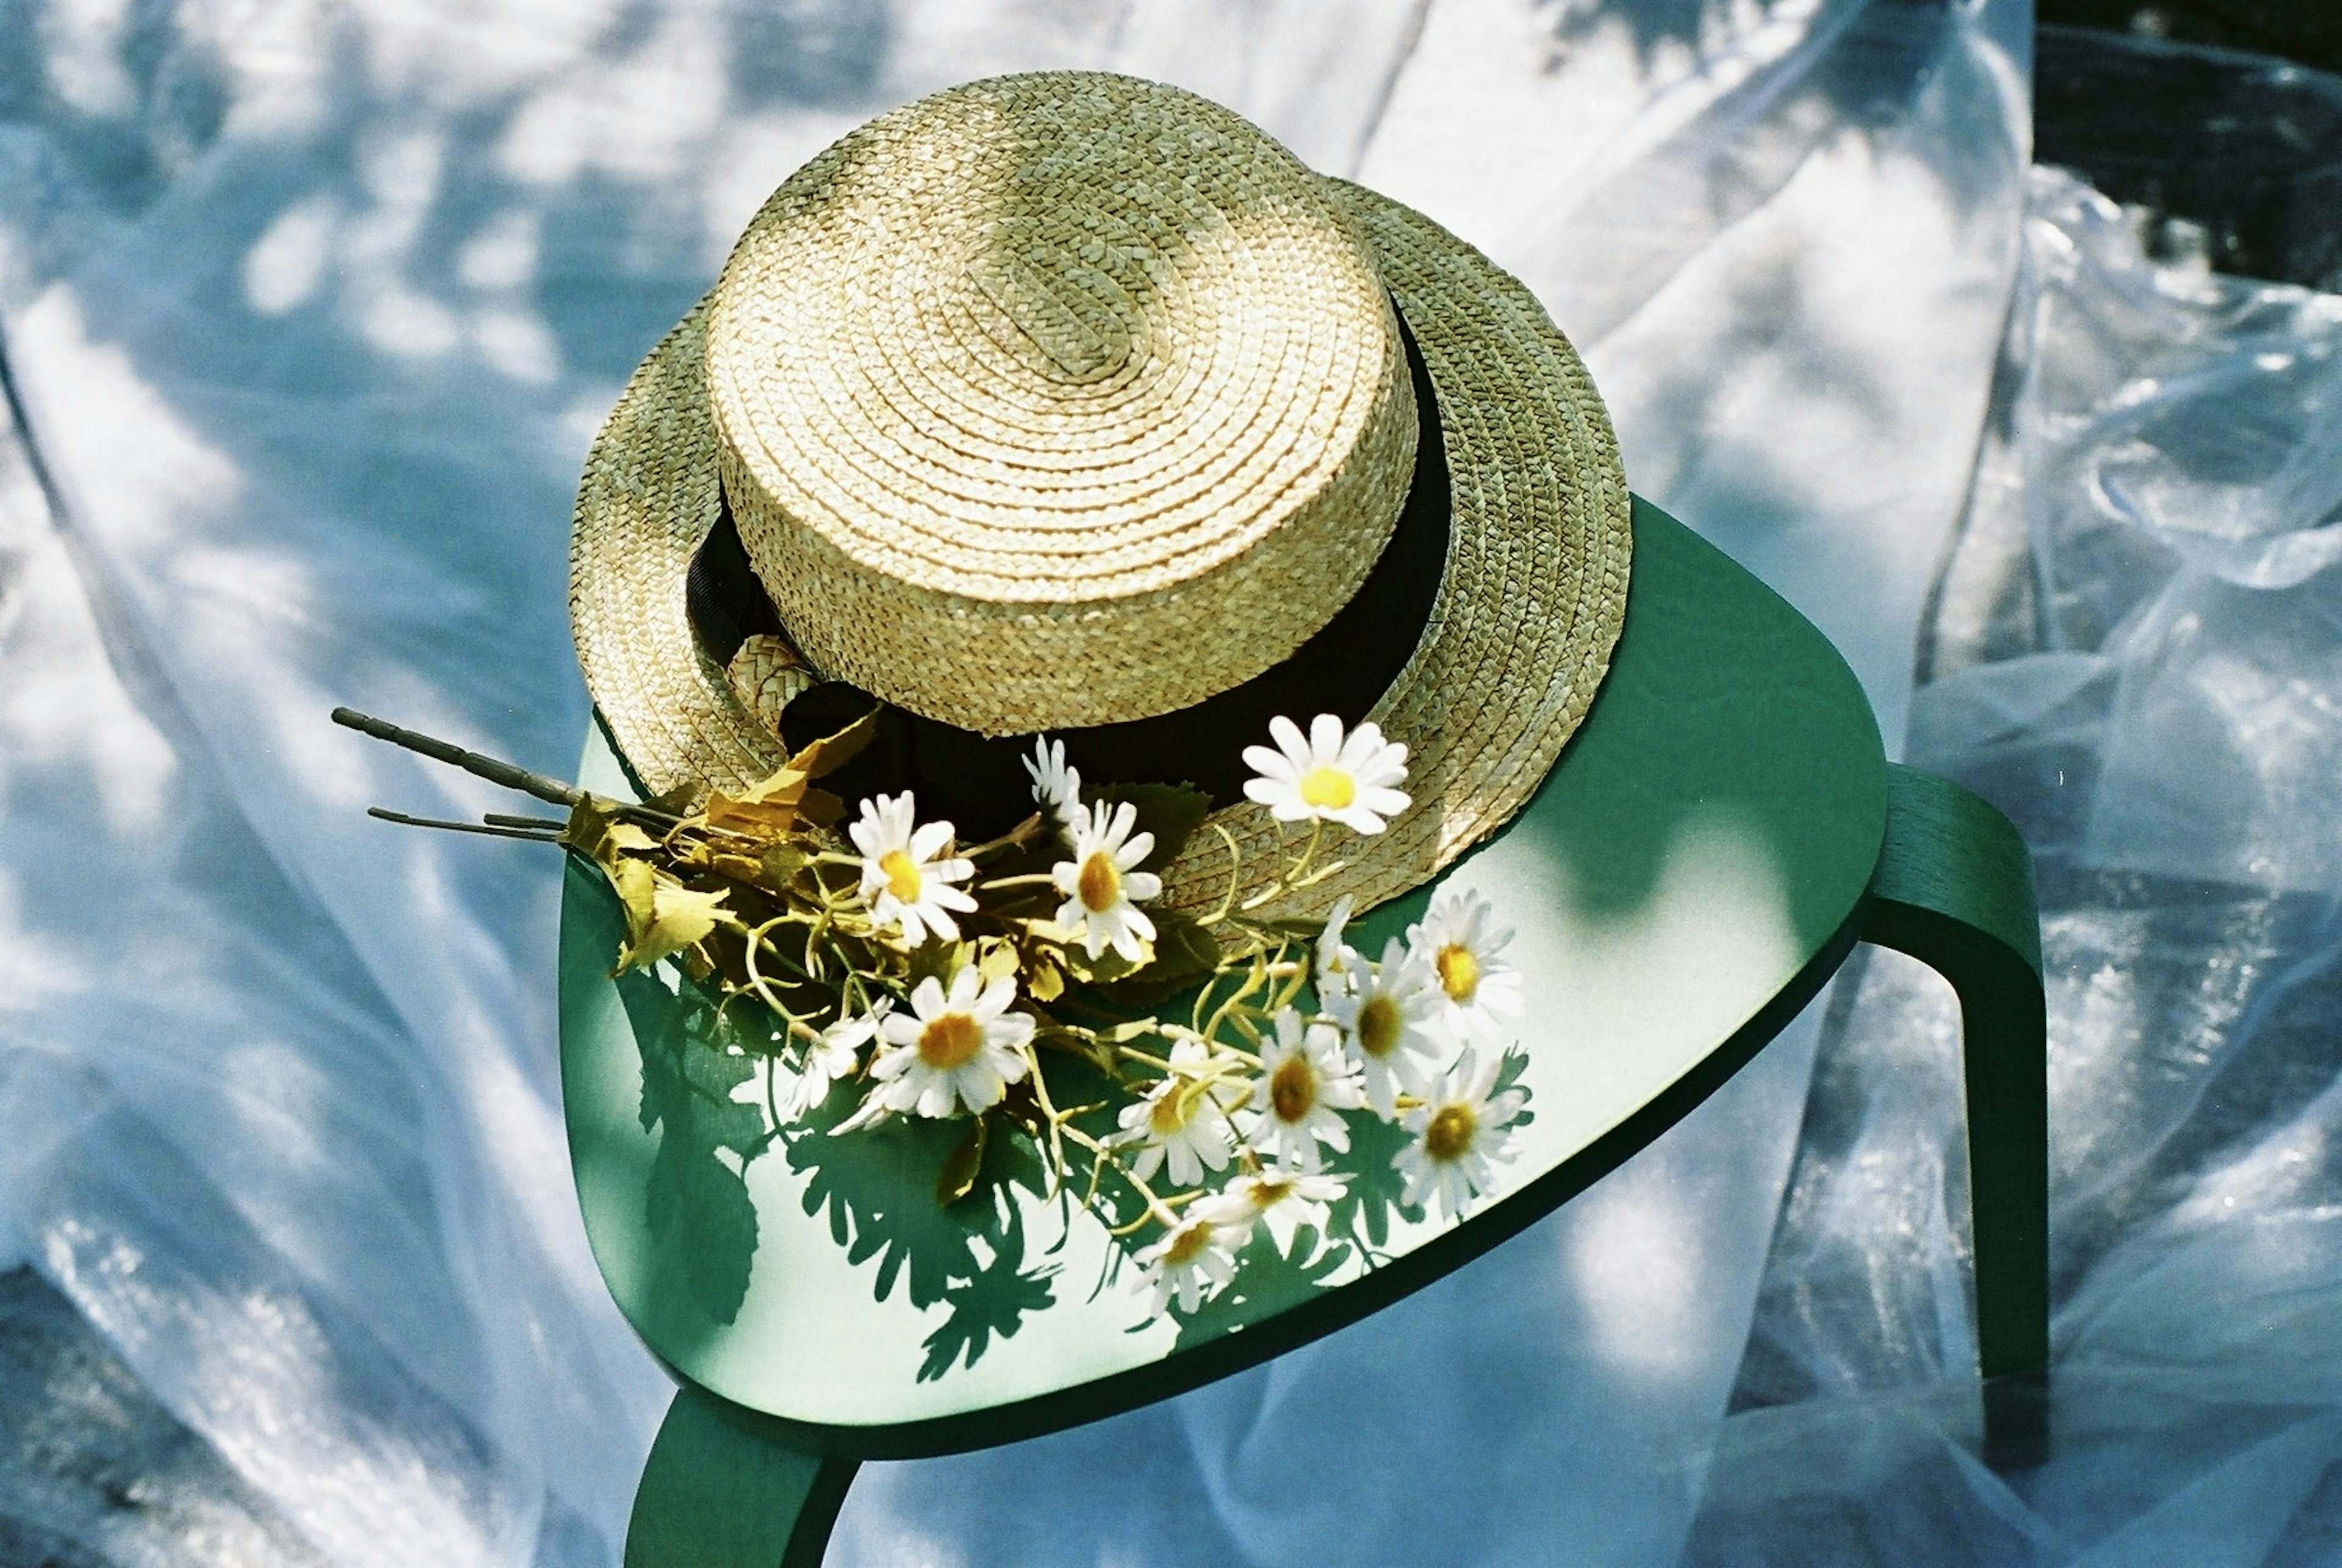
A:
{"points": [[1018, 387], [1056, 400]]}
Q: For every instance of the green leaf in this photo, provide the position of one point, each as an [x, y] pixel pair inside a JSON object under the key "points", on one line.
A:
{"points": [[779, 865], [1171, 811], [957, 1178], [1185, 953], [1043, 980], [663, 916], [996, 958], [1107, 967]]}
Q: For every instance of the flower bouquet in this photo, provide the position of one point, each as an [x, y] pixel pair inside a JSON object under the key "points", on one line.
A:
{"points": [[1218, 1060]]}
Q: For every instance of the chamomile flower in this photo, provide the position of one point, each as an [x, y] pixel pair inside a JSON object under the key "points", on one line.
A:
{"points": [[1338, 962], [1283, 1199], [1056, 788], [1306, 1083], [1337, 776], [832, 1055], [1101, 886], [1387, 1016], [902, 879], [957, 1047], [1178, 1120], [1480, 993], [1459, 1134], [1191, 1263]]}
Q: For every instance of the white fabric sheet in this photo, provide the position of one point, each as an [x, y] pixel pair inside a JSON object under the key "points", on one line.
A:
{"points": [[2146, 681], [311, 310]]}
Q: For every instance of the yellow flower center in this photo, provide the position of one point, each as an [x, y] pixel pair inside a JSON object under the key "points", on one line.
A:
{"points": [[1330, 788], [902, 875], [1450, 1132], [1267, 1195], [1459, 972], [1379, 1026], [951, 1040], [1293, 1089], [1170, 1113], [1187, 1244], [1100, 883]]}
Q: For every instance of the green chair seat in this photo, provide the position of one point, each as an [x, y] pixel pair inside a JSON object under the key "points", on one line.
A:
{"points": [[1719, 833]]}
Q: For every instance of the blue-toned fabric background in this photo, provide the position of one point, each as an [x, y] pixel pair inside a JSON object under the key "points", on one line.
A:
{"points": [[309, 310]]}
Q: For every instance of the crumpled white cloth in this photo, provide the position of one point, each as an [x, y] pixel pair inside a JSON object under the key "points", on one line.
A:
{"points": [[311, 310], [2143, 673]]}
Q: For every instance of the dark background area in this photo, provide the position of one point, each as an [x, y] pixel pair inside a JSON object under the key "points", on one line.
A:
{"points": [[2202, 112]]}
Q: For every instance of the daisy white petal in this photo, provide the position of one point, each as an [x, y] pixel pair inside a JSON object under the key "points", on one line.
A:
{"points": [[1480, 991], [1387, 1016], [1337, 960], [1307, 1082], [1056, 788], [1328, 775], [1101, 887], [1460, 1135], [1179, 1122], [956, 1048], [1282, 1200], [905, 884], [1192, 1262], [831, 1055]]}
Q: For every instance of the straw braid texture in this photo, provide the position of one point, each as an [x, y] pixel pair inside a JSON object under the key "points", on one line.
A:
{"points": [[1535, 592], [650, 497], [1520, 634], [1020, 385]]}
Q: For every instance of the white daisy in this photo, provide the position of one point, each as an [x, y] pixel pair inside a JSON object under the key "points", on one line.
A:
{"points": [[1194, 1260], [831, 1055], [1280, 1199], [1337, 960], [1480, 994], [902, 879], [1056, 788], [1345, 778], [1179, 1120], [1306, 1083], [1100, 886], [1387, 1016], [1459, 1132], [963, 1047]]}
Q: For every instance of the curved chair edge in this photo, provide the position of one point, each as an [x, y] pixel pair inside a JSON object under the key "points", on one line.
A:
{"points": [[1955, 890], [722, 1489]]}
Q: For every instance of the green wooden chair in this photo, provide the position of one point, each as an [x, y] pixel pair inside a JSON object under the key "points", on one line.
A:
{"points": [[1711, 846]]}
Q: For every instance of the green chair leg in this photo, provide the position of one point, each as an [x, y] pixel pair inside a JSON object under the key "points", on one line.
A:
{"points": [[1955, 890], [719, 1490]]}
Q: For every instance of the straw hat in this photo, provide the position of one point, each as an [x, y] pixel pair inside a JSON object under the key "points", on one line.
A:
{"points": [[1074, 404]]}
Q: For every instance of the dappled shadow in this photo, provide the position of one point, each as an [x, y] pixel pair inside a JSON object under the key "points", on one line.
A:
{"points": [[876, 1189], [702, 1224], [1280, 1268], [1763, 97], [1872, 55]]}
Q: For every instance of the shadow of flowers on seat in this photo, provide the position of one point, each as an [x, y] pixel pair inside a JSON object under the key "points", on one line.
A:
{"points": [[706, 1090], [878, 1191], [706, 1093], [702, 1221]]}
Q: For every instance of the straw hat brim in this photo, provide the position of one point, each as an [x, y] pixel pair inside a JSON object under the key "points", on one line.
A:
{"points": [[1520, 633]]}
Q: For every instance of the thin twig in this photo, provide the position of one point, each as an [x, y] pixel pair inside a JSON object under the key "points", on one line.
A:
{"points": [[386, 815], [487, 767], [499, 819]]}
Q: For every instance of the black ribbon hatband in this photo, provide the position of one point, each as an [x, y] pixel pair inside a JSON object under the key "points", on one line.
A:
{"points": [[979, 782]]}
